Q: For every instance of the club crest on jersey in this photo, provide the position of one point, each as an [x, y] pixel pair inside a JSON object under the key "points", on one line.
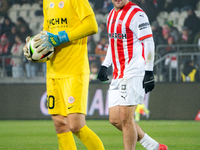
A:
{"points": [[123, 87], [120, 22], [117, 36], [113, 21], [61, 4], [71, 99]]}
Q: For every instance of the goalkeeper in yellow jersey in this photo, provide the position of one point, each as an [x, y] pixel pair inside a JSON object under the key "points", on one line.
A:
{"points": [[67, 23]]}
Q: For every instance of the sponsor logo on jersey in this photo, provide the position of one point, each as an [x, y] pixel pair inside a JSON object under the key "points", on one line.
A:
{"points": [[57, 21], [123, 97], [117, 36], [113, 21], [51, 5], [61, 4], [141, 16], [70, 107], [144, 25]]}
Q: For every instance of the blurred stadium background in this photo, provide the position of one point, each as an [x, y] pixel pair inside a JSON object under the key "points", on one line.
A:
{"points": [[23, 96], [173, 97]]}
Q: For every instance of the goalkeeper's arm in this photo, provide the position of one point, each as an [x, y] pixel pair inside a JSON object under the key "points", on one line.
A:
{"points": [[88, 26]]}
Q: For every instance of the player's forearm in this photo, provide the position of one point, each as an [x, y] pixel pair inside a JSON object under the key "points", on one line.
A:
{"points": [[87, 27], [149, 53], [108, 59]]}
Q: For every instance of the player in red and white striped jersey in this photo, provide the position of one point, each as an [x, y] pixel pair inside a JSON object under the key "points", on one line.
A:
{"points": [[131, 53]]}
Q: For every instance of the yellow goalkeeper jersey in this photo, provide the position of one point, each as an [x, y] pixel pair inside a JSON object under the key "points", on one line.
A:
{"points": [[70, 59]]}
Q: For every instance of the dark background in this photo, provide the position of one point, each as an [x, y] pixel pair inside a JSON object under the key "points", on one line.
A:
{"points": [[167, 101]]}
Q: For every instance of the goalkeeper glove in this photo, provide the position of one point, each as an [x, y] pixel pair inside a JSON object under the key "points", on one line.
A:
{"points": [[148, 81], [54, 40], [25, 49], [102, 75], [41, 46]]}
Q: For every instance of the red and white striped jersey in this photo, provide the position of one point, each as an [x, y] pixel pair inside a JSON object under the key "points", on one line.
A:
{"points": [[127, 28]]}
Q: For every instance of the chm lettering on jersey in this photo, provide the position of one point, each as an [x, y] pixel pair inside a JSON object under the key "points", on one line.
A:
{"points": [[117, 36], [57, 21]]}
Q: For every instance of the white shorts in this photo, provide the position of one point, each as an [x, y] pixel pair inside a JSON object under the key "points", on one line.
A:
{"points": [[126, 92]]}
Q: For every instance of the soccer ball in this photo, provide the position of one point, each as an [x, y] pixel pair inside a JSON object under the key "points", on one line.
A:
{"points": [[38, 56]]}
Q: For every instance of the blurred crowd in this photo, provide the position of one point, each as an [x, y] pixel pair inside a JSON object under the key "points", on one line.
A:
{"points": [[12, 39], [13, 34], [167, 34]]}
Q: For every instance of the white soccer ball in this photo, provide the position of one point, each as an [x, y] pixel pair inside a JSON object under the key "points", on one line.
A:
{"points": [[36, 56]]}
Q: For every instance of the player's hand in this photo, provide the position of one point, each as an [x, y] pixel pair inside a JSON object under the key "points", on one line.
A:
{"points": [[148, 81], [102, 75], [42, 44], [25, 49], [54, 40]]}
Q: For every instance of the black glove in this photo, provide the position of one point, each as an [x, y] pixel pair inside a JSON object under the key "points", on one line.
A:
{"points": [[102, 75], [148, 81]]}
